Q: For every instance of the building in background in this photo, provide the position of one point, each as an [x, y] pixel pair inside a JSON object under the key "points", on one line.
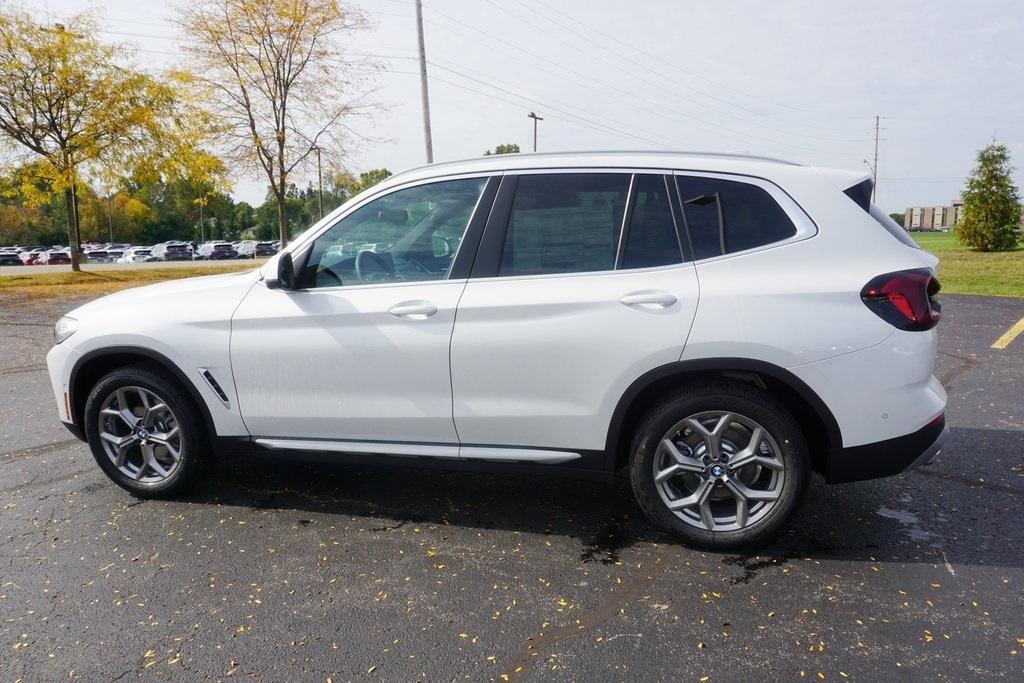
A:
{"points": [[938, 217], [931, 217]]}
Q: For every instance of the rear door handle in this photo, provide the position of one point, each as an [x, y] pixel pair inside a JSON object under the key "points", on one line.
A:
{"points": [[413, 309], [649, 298]]}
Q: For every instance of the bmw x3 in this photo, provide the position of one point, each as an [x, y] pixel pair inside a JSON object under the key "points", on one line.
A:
{"points": [[719, 326]]}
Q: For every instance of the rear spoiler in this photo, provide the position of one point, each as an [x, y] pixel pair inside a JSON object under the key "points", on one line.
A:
{"points": [[856, 185], [861, 193]]}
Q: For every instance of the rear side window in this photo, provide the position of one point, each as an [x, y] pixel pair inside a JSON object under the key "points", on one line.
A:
{"points": [[651, 238], [726, 216], [564, 223]]}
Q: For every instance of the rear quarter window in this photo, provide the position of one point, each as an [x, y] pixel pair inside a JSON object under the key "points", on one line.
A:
{"points": [[727, 216]]}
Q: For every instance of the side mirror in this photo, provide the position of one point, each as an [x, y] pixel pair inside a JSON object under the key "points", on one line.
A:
{"points": [[285, 273]]}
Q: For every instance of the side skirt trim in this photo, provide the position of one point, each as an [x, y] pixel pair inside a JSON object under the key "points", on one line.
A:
{"points": [[492, 453]]}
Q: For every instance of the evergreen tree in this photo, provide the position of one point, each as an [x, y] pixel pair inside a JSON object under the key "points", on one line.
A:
{"points": [[990, 218]]}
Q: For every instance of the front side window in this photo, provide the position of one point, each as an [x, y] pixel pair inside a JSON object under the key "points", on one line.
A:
{"points": [[726, 216], [564, 223], [407, 235]]}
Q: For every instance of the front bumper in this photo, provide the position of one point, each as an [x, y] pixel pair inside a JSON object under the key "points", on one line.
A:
{"points": [[59, 362], [889, 457]]}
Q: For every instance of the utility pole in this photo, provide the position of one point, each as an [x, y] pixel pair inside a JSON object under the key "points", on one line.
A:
{"points": [[319, 184], [535, 118], [874, 168], [423, 83]]}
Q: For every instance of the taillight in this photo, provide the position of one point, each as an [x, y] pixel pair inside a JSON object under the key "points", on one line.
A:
{"points": [[905, 299]]}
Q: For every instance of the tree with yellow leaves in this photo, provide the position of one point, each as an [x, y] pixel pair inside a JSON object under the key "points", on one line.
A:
{"points": [[278, 80], [75, 103]]}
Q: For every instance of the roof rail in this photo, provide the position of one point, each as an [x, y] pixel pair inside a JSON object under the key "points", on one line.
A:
{"points": [[617, 152]]}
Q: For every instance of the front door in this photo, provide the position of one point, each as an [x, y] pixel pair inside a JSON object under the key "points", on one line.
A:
{"points": [[360, 351]]}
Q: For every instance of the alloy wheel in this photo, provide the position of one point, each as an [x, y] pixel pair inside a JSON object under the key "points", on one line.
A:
{"points": [[719, 471], [140, 435]]}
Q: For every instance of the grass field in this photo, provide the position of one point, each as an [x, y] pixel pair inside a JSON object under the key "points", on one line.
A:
{"points": [[15, 289], [963, 271]]}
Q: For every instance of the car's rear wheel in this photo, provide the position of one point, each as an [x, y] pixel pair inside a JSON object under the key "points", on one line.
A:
{"points": [[145, 432], [721, 464]]}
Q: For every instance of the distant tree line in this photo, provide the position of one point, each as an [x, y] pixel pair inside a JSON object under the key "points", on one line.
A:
{"points": [[147, 208], [93, 147]]}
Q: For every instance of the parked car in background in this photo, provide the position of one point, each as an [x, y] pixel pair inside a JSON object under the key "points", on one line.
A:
{"points": [[10, 258], [217, 251], [29, 256], [53, 257], [97, 255], [171, 251], [254, 249], [137, 255]]}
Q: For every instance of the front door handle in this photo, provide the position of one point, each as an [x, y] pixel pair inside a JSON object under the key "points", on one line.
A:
{"points": [[649, 298], [413, 309]]}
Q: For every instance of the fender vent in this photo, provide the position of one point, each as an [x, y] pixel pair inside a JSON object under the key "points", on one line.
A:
{"points": [[213, 385]]}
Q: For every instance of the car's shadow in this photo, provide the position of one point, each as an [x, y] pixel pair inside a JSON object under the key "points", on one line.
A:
{"points": [[954, 510]]}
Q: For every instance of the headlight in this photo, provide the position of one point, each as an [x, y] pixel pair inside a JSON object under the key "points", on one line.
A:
{"points": [[64, 328]]}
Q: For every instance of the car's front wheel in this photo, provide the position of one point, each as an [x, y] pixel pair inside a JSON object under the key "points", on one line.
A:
{"points": [[721, 465], [145, 432]]}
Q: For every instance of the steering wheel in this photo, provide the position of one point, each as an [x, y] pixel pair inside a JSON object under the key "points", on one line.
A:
{"points": [[378, 260], [330, 273], [417, 265]]}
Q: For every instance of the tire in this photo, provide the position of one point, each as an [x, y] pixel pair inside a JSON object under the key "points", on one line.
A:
{"points": [[778, 465], [148, 469]]}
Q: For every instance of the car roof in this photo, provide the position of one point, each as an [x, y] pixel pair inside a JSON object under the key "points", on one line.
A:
{"points": [[707, 161]]}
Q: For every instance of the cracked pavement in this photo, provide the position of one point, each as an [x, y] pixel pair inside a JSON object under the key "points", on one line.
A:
{"points": [[273, 570]]}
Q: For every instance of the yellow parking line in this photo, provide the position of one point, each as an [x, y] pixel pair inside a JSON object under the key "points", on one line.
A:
{"points": [[1009, 335]]}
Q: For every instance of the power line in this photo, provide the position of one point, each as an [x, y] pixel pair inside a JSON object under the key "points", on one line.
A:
{"points": [[555, 105], [631, 95], [661, 84], [551, 108], [618, 133], [676, 67]]}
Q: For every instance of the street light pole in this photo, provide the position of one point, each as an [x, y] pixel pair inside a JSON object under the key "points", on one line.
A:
{"points": [[535, 118]]}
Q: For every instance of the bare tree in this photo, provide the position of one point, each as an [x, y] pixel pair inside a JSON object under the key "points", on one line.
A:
{"points": [[279, 80]]}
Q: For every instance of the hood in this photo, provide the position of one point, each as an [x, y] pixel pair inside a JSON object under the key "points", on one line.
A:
{"points": [[205, 292]]}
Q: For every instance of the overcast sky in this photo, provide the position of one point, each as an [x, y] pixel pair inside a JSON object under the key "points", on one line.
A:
{"points": [[797, 80]]}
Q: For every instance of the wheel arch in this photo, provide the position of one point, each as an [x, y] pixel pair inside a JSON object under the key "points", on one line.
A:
{"points": [[815, 419], [95, 364]]}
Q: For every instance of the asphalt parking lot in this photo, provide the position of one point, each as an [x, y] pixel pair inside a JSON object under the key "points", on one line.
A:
{"points": [[281, 571]]}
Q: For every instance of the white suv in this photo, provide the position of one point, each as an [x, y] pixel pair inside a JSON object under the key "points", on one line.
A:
{"points": [[721, 326]]}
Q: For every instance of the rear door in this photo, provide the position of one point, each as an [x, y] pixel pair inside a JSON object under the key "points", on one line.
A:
{"points": [[581, 285]]}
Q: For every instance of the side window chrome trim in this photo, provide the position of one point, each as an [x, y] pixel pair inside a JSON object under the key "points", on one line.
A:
{"points": [[805, 226], [379, 285]]}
